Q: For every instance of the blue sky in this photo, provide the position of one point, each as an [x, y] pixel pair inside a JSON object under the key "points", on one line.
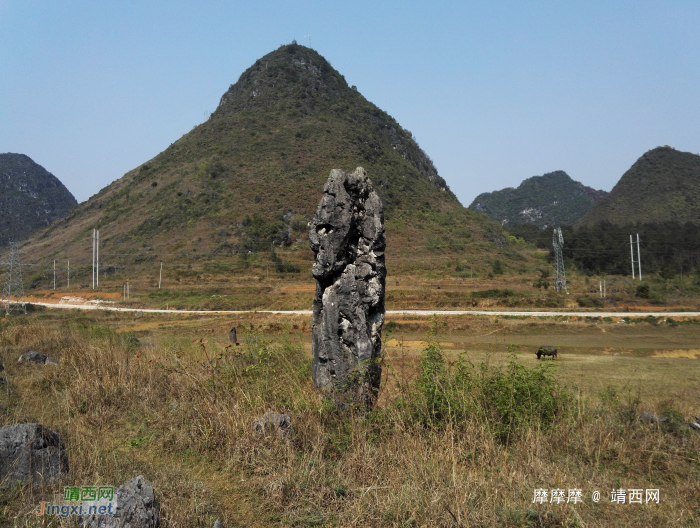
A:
{"points": [[494, 92]]}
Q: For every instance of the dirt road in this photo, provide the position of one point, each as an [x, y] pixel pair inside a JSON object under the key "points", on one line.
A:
{"points": [[421, 313]]}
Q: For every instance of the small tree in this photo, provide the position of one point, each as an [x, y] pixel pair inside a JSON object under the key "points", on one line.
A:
{"points": [[542, 281], [497, 267]]}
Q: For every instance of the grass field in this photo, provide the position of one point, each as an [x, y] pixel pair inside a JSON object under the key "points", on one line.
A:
{"points": [[179, 407]]}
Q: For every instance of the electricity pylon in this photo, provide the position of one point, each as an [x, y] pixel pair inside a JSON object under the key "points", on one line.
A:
{"points": [[559, 275], [13, 290]]}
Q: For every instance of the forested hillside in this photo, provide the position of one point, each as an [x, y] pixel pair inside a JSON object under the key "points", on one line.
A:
{"points": [[663, 185], [667, 248], [548, 200]]}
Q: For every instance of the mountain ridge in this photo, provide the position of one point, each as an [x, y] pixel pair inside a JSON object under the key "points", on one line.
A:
{"points": [[551, 199], [249, 178], [662, 185], [30, 197]]}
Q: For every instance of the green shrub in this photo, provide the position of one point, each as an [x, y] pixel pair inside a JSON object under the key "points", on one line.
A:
{"points": [[674, 416], [586, 301], [542, 281], [494, 292], [282, 266], [509, 399], [643, 291], [497, 267], [518, 397]]}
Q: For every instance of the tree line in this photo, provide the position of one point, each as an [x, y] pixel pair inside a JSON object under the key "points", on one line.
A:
{"points": [[667, 248]]}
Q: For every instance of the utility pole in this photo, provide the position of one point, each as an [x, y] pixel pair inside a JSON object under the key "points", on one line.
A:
{"points": [[632, 252], [97, 270], [69, 274], [600, 288], [639, 258], [605, 294], [54, 274], [160, 277]]}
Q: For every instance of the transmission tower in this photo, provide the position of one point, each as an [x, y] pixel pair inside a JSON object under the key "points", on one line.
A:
{"points": [[13, 291], [559, 275]]}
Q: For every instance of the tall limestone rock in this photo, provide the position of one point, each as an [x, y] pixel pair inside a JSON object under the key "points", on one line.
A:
{"points": [[347, 238]]}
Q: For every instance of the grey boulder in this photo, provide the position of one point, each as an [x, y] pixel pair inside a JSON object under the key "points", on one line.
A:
{"points": [[37, 357], [218, 524], [648, 417], [30, 453], [136, 507], [232, 336], [272, 422]]}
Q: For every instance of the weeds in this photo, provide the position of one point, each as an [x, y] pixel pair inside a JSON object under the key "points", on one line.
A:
{"points": [[507, 400], [455, 444]]}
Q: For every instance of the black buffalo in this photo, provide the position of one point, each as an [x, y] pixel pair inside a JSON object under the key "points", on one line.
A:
{"points": [[547, 351]]}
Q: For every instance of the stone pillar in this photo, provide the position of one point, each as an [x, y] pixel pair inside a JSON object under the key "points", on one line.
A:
{"points": [[347, 238]]}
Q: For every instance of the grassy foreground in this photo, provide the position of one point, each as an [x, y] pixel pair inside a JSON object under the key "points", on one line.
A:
{"points": [[458, 443]]}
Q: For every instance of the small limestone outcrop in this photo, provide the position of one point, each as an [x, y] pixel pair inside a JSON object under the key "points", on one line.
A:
{"points": [[648, 417], [218, 524], [37, 357], [347, 238], [273, 422], [136, 507], [233, 336], [30, 453]]}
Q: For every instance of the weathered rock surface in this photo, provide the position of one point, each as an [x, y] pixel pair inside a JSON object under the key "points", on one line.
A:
{"points": [[30, 197], [30, 453], [645, 416], [136, 507], [273, 422], [218, 524], [232, 335], [347, 238], [37, 357]]}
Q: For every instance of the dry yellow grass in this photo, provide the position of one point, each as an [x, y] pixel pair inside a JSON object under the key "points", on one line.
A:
{"points": [[181, 413]]}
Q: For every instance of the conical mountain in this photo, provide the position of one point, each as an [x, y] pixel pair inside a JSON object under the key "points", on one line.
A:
{"points": [[551, 199], [252, 174], [30, 197], [663, 185]]}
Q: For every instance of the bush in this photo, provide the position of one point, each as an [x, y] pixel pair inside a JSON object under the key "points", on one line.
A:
{"points": [[497, 267], [643, 291], [282, 266], [586, 301], [509, 400], [542, 281], [519, 397], [494, 292]]}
